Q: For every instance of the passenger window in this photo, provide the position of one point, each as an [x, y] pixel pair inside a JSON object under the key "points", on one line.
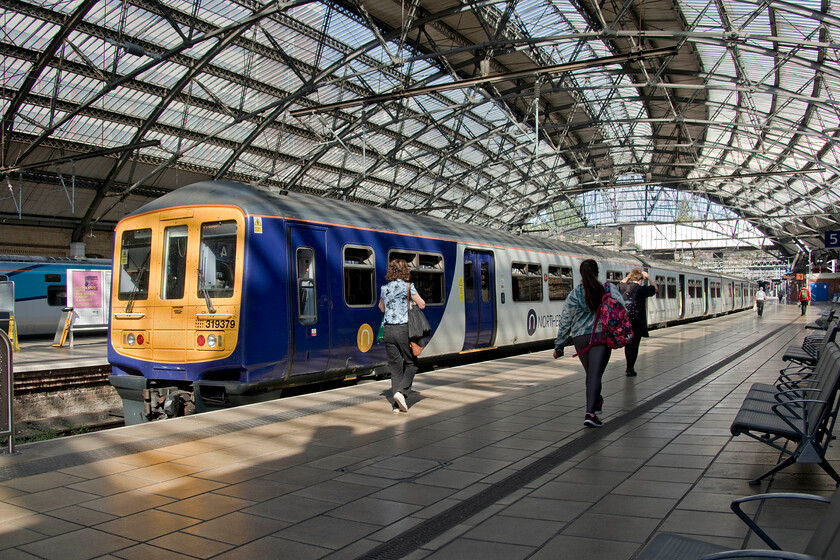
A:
{"points": [[615, 276], [135, 249], [469, 282], [672, 288], [57, 295], [661, 287], [307, 313], [560, 282], [52, 278], [174, 261], [527, 282], [217, 259], [426, 274], [359, 276]]}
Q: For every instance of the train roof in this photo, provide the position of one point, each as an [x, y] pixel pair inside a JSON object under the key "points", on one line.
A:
{"points": [[261, 201], [54, 260], [257, 200]]}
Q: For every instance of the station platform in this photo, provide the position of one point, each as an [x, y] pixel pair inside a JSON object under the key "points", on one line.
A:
{"points": [[492, 461], [41, 356]]}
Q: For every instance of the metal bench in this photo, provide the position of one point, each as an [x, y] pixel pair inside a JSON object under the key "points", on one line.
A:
{"points": [[804, 357], [824, 543], [822, 322], [801, 413]]}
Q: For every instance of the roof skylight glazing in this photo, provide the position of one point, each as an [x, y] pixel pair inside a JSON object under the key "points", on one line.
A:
{"points": [[731, 104]]}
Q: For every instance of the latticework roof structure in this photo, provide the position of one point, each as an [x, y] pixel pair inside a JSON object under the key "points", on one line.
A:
{"points": [[520, 115]]}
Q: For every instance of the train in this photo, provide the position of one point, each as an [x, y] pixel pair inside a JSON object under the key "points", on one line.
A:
{"points": [[226, 293], [40, 290]]}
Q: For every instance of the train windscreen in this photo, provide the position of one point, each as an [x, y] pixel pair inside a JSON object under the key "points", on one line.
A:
{"points": [[135, 250], [217, 259]]}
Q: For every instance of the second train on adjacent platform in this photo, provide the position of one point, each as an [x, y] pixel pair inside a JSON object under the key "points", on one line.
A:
{"points": [[225, 293]]}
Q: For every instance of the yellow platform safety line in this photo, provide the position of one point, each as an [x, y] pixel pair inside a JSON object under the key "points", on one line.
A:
{"points": [[478, 350], [13, 336], [64, 331]]}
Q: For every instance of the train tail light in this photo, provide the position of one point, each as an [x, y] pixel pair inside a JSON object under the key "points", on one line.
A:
{"points": [[200, 340]]}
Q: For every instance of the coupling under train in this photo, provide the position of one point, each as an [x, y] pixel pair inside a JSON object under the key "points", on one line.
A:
{"points": [[225, 293]]}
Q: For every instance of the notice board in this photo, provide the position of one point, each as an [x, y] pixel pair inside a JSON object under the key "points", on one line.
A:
{"points": [[89, 294]]}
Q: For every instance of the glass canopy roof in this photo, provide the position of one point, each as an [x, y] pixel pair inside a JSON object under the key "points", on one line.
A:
{"points": [[521, 115]]}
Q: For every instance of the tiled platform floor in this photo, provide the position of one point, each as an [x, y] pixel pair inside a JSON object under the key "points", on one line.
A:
{"points": [[491, 462]]}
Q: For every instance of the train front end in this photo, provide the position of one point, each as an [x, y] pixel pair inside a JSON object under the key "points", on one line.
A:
{"points": [[176, 294]]}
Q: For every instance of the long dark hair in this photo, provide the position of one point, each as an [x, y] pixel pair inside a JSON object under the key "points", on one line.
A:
{"points": [[592, 287]]}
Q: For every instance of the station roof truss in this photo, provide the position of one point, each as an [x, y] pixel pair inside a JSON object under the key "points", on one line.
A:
{"points": [[524, 115]]}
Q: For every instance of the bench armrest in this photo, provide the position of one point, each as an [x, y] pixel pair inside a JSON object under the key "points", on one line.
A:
{"points": [[786, 405], [736, 507], [799, 392], [759, 553]]}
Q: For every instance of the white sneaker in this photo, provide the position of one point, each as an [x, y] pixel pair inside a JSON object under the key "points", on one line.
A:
{"points": [[400, 400]]}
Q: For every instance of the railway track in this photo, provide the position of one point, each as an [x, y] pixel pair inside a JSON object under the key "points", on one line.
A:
{"points": [[56, 402], [35, 382]]}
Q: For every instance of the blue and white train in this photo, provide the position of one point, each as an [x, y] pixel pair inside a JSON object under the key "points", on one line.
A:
{"points": [[40, 288], [225, 293]]}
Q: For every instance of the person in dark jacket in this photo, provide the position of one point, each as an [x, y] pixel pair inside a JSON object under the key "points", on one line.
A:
{"points": [[635, 294]]}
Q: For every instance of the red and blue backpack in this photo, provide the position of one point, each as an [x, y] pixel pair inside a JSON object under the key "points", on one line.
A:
{"points": [[616, 329]]}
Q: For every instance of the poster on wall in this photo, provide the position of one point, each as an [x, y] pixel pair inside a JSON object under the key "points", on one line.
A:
{"points": [[89, 294]]}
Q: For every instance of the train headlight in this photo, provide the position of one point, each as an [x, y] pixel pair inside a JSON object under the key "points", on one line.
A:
{"points": [[200, 340], [130, 339], [211, 340]]}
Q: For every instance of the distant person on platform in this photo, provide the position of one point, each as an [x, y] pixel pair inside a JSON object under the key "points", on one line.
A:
{"points": [[760, 298], [804, 298], [635, 295]]}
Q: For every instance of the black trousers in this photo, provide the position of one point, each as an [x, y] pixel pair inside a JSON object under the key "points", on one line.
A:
{"points": [[402, 364], [631, 352], [594, 363], [804, 305], [759, 305]]}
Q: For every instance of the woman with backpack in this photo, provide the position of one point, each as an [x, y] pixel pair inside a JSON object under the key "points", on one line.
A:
{"points": [[578, 320], [635, 296]]}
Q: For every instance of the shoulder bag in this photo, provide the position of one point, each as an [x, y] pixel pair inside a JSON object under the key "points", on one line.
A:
{"points": [[418, 326]]}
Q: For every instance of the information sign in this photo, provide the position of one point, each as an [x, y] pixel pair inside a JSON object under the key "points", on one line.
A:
{"points": [[88, 293], [832, 239]]}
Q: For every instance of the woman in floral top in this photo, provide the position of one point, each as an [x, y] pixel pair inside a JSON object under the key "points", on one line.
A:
{"points": [[402, 363], [577, 320]]}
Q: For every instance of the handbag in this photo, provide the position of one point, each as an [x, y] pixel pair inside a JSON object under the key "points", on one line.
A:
{"points": [[380, 336], [418, 325], [416, 348]]}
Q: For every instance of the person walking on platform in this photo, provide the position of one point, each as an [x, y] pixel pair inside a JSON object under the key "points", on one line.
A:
{"points": [[578, 320], [635, 295], [804, 298], [393, 302], [760, 298]]}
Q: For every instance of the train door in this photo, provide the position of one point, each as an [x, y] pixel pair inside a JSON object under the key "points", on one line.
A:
{"points": [[171, 323], [309, 285], [479, 299], [681, 296], [705, 296]]}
